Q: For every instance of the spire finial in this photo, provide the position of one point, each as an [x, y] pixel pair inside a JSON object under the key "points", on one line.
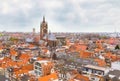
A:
{"points": [[43, 18]]}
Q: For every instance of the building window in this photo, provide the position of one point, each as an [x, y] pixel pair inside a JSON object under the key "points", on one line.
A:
{"points": [[38, 64], [99, 72], [36, 67]]}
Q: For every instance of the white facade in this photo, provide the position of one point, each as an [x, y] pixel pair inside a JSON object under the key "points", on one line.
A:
{"points": [[96, 70], [42, 67], [115, 65], [38, 67]]}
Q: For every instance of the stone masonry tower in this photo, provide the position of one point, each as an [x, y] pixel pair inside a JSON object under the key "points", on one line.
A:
{"points": [[43, 28]]}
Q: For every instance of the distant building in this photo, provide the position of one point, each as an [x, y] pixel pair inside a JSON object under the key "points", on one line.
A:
{"points": [[61, 39], [33, 31]]}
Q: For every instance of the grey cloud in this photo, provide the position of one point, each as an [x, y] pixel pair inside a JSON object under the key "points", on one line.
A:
{"points": [[62, 15]]}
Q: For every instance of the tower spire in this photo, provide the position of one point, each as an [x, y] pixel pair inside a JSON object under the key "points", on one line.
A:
{"points": [[43, 18]]}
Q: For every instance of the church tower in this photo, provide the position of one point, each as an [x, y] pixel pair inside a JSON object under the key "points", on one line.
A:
{"points": [[33, 31], [43, 28]]}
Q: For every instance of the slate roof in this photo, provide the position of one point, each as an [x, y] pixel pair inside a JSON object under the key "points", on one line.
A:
{"points": [[51, 37], [115, 74]]}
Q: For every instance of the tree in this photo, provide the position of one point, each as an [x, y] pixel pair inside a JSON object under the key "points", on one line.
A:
{"points": [[117, 47], [13, 39]]}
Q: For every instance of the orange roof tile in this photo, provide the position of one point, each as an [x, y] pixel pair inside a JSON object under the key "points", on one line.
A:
{"points": [[13, 52], [27, 67], [4, 66], [11, 63], [31, 46], [84, 54], [100, 62], [46, 78], [108, 55], [71, 80], [1, 49], [25, 56], [85, 78]]}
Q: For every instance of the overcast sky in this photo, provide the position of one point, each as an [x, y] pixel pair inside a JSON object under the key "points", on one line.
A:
{"points": [[61, 15]]}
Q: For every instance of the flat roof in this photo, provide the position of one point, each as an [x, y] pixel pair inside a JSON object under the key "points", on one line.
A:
{"points": [[95, 67]]}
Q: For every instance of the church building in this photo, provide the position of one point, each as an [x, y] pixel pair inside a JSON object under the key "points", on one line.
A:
{"points": [[44, 35]]}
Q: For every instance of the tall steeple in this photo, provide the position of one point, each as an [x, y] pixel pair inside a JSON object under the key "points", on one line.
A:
{"points": [[43, 28], [44, 19], [33, 31]]}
